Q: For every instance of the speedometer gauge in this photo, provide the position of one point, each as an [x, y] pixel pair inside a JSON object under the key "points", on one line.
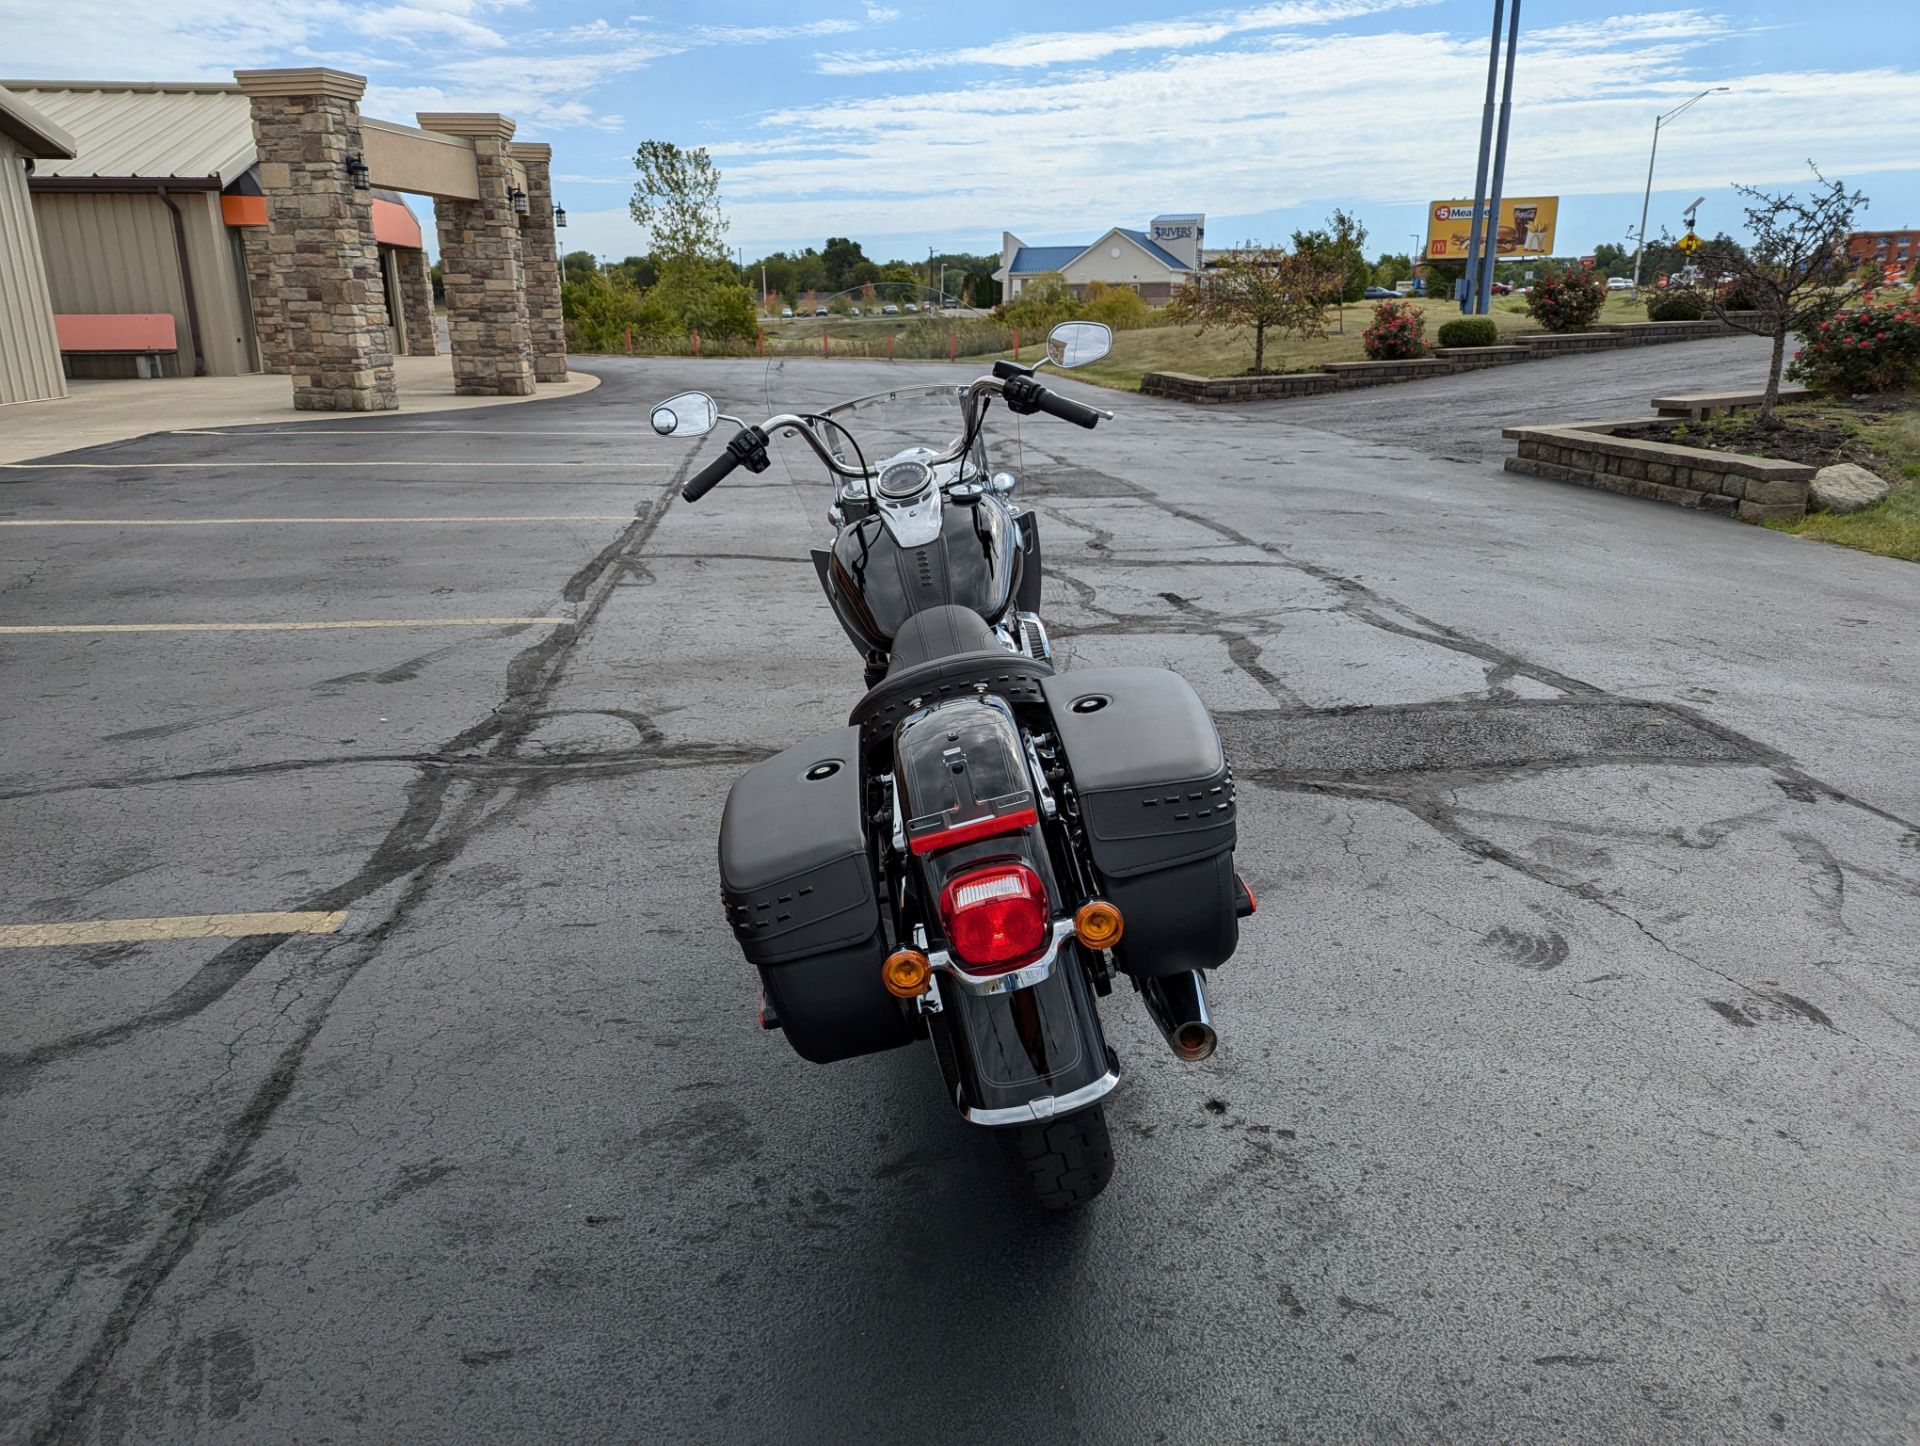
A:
{"points": [[905, 479]]}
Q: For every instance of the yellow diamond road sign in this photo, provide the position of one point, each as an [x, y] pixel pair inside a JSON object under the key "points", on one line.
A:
{"points": [[1688, 243]]}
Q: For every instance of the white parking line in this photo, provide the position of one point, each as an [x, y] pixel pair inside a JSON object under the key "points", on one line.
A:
{"points": [[286, 521], [277, 627], [179, 926], [245, 466]]}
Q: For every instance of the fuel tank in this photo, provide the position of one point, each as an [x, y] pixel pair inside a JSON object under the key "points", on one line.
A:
{"points": [[876, 584]]}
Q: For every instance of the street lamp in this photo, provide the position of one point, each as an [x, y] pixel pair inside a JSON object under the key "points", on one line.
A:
{"points": [[1640, 246]]}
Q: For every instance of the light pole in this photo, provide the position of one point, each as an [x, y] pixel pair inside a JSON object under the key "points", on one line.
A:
{"points": [[1640, 246]]}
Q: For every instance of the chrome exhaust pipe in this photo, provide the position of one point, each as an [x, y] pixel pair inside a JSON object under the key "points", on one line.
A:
{"points": [[1178, 1004]]}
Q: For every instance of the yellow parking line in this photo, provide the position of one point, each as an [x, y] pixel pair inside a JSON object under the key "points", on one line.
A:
{"points": [[180, 926], [239, 466], [278, 521], [278, 627]]}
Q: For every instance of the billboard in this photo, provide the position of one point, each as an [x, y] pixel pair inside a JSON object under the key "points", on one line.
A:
{"points": [[1526, 227]]}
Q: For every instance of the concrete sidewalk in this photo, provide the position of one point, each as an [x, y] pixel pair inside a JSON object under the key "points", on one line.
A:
{"points": [[99, 412]]}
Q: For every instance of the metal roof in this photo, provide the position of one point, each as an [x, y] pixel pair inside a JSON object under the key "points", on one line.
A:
{"points": [[1029, 259], [146, 130], [33, 132]]}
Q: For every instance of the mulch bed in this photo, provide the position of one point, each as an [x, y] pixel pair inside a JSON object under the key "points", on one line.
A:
{"points": [[1797, 439]]}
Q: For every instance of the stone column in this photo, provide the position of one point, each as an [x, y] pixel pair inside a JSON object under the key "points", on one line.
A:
{"points": [[269, 320], [416, 302], [481, 268], [325, 264], [540, 248]]}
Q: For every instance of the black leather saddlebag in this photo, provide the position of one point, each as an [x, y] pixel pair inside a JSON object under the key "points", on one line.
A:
{"points": [[1157, 799], [798, 881]]}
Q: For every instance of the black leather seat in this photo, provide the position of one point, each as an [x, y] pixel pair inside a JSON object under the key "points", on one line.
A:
{"points": [[946, 652]]}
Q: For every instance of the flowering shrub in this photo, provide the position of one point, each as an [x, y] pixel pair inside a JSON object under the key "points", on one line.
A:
{"points": [[1677, 305], [1875, 348], [1398, 332], [1567, 300]]}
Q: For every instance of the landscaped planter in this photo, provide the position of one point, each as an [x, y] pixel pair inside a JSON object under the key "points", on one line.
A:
{"points": [[1183, 387], [1445, 361], [1756, 489]]}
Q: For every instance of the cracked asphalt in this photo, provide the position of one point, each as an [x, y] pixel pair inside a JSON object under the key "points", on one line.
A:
{"points": [[1567, 1080]]}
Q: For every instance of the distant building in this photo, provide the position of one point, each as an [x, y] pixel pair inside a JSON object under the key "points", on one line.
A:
{"points": [[1152, 262], [1899, 248]]}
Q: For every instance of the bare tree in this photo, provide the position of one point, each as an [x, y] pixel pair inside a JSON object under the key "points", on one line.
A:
{"points": [[1794, 274], [1263, 290]]}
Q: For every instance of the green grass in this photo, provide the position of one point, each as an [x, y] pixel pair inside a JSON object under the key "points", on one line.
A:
{"points": [[1890, 427], [1228, 351]]}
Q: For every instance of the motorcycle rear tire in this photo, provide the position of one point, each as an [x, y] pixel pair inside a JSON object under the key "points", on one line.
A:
{"points": [[1066, 1161]]}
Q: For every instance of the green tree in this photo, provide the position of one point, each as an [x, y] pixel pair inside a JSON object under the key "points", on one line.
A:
{"points": [[1795, 272], [704, 296], [1612, 260], [1392, 268], [577, 266], [839, 257], [1339, 252], [1257, 289], [677, 201]]}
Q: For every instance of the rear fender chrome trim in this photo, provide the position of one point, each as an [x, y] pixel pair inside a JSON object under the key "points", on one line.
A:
{"points": [[1024, 977], [1046, 1107]]}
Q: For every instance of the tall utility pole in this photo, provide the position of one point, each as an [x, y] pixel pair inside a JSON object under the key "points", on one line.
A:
{"points": [[1486, 146], [1484, 297], [1646, 200]]}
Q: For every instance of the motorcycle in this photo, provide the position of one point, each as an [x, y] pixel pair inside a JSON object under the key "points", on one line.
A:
{"points": [[987, 844]]}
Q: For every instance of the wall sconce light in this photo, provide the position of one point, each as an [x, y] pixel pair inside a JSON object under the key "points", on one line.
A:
{"points": [[358, 174], [519, 199], [560, 218]]}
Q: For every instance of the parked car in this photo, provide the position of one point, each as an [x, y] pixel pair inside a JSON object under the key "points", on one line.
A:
{"points": [[819, 311], [1619, 283], [786, 313], [1502, 288], [889, 310], [1380, 293], [913, 306], [853, 311]]}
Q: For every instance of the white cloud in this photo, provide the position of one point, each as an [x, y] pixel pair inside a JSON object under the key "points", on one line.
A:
{"points": [[1072, 47], [1247, 130]]}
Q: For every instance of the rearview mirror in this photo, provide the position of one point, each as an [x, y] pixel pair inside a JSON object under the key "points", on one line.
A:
{"points": [[1075, 343], [691, 414]]}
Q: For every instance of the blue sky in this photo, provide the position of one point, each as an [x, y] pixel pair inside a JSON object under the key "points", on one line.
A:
{"points": [[910, 125]]}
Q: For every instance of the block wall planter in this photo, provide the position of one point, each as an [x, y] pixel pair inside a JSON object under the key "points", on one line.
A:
{"points": [[1755, 489]]}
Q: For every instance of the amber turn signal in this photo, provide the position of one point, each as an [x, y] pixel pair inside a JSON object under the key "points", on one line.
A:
{"points": [[1098, 924], [905, 973]]}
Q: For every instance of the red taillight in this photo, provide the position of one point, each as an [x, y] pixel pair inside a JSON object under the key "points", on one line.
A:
{"points": [[996, 917]]}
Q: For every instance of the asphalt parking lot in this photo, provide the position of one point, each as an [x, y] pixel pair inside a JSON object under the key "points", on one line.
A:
{"points": [[1567, 1088]]}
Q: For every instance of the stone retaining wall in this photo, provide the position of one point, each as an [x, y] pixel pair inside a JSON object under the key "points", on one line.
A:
{"points": [[1445, 361], [1756, 489]]}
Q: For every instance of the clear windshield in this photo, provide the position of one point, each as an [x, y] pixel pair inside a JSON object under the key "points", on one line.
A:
{"points": [[872, 427]]}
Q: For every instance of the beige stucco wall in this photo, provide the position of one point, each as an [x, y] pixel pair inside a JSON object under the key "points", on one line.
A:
{"points": [[1132, 265], [29, 355], [111, 251], [426, 163]]}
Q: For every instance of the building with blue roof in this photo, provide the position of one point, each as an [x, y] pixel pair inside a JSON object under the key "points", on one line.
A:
{"points": [[1152, 261]]}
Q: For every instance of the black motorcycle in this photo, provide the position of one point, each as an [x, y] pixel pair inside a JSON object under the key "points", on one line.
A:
{"points": [[986, 843]]}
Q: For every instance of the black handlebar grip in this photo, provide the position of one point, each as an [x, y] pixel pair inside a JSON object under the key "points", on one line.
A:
{"points": [[1068, 410], [709, 476]]}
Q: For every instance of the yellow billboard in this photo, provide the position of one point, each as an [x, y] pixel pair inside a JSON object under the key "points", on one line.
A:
{"points": [[1526, 227]]}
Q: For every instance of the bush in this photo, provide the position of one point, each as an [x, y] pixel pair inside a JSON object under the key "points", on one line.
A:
{"points": [[1469, 331], [1678, 305], [600, 310], [1044, 302], [1397, 333], [1119, 307], [1567, 300], [1873, 349], [1739, 295]]}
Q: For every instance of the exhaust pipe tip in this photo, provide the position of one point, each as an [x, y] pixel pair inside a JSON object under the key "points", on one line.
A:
{"points": [[1194, 1041]]}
